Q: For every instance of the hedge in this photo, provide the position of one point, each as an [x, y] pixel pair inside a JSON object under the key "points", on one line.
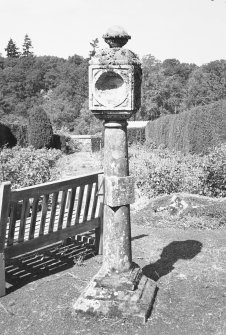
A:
{"points": [[40, 130], [20, 133], [6, 136], [194, 131]]}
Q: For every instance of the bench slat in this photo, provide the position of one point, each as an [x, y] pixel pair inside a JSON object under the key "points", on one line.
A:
{"points": [[44, 212], [62, 209], [71, 206], [53, 211], [87, 203], [12, 223], [51, 187], [33, 217], [79, 206], [24, 214]]}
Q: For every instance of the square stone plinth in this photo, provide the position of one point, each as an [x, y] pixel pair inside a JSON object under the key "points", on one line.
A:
{"points": [[129, 294]]}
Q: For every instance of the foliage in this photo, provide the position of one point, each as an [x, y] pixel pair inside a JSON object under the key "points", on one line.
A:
{"points": [[27, 166], [136, 135], [11, 49], [60, 85], [20, 132], [164, 87], [96, 143], [162, 171], [87, 123], [6, 136], [207, 84], [94, 45], [64, 143], [40, 130], [171, 87], [27, 45], [215, 172], [194, 131]]}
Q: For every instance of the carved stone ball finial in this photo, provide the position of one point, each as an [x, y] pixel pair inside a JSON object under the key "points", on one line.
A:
{"points": [[116, 37]]}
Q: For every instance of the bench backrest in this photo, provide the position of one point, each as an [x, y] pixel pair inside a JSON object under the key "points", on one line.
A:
{"points": [[40, 215]]}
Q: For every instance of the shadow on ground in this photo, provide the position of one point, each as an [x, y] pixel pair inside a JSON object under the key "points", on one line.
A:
{"points": [[170, 255], [40, 264]]}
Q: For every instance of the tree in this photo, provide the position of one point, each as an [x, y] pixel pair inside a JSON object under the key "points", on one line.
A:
{"points": [[87, 123], [164, 87], [12, 50], [40, 130], [207, 84], [27, 46]]}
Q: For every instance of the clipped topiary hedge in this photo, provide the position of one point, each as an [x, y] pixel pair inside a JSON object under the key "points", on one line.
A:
{"points": [[7, 138], [40, 130], [20, 133], [193, 131], [59, 142]]}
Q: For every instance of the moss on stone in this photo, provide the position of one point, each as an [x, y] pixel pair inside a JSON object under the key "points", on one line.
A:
{"points": [[115, 56]]}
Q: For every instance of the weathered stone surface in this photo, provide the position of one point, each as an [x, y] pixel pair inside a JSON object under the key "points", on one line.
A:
{"points": [[114, 95], [114, 56], [117, 253], [115, 79], [116, 31], [114, 88], [118, 295], [116, 37], [119, 191]]}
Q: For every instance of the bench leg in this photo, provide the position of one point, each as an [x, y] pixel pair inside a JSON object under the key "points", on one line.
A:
{"points": [[2, 275]]}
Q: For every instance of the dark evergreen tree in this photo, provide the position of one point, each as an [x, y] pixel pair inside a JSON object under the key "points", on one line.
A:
{"points": [[40, 130], [27, 46], [12, 50]]}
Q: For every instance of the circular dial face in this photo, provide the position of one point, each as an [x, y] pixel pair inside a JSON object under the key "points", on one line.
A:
{"points": [[110, 89]]}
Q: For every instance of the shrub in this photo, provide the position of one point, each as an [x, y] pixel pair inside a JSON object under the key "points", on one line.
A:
{"points": [[215, 172], [6, 136], [96, 143], [164, 172], [136, 135], [72, 145], [40, 129], [59, 142], [194, 131], [20, 133], [65, 143], [27, 166]]}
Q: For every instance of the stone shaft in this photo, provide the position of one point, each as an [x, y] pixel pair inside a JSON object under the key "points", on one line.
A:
{"points": [[117, 255]]}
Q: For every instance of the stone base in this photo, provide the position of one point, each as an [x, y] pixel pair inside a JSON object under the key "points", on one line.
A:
{"points": [[125, 294]]}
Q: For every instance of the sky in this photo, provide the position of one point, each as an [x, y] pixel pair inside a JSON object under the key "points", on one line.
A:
{"points": [[192, 31]]}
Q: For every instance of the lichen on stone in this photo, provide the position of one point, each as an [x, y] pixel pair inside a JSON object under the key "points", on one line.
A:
{"points": [[115, 56]]}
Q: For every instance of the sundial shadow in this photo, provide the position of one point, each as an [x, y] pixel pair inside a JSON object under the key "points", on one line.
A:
{"points": [[170, 255]]}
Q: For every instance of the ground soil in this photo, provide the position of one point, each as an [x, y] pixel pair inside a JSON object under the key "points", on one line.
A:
{"points": [[188, 265]]}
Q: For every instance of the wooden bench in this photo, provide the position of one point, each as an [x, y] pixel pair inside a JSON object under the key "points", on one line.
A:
{"points": [[38, 216]]}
